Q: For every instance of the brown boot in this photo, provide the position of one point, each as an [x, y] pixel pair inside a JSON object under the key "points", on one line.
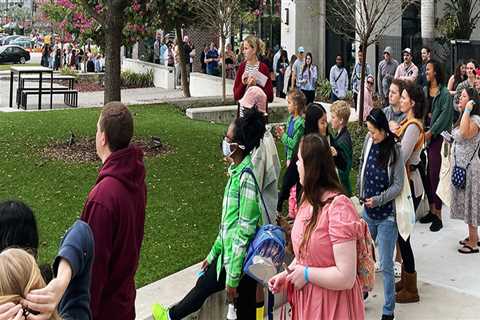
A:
{"points": [[400, 284], [409, 293]]}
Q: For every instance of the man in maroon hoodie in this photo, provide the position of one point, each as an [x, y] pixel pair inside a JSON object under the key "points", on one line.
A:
{"points": [[115, 211]]}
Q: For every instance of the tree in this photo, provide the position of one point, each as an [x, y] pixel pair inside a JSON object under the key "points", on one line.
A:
{"points": [[219, 15], [177, 15], [368, 20], [460, 19]]}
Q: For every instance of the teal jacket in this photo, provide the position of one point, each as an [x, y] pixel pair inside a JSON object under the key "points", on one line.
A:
{"points": [[292, 142], [442, 111]]}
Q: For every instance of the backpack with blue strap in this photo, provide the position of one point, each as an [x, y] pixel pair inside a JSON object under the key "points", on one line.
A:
{"points": [[268, 242]]}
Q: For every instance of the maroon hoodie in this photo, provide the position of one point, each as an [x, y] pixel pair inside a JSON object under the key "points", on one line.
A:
{"points": [[115, 211]]}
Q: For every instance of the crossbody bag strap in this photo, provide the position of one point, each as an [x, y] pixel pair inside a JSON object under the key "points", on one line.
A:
{"points": [[338, 77], [248, 170], [473, 156]]}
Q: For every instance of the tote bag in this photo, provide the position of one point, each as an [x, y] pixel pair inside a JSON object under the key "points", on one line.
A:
{"points": [[405, 210], [444, 189]]}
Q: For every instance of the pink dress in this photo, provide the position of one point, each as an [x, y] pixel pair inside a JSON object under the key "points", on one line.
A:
{"points": [[335, 225]]}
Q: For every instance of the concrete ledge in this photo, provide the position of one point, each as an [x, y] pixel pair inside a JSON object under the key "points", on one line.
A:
{"points": [[163, 77], [203, 85], [277, 112]]}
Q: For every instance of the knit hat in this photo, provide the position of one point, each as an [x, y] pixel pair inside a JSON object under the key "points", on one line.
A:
{"points": [[388, 50], [254, 96]]}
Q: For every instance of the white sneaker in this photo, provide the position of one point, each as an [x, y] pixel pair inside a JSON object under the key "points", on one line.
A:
{"points": [[377, 266]]}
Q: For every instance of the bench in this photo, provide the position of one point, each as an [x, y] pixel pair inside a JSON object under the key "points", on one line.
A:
{"points": [[70, 96]]}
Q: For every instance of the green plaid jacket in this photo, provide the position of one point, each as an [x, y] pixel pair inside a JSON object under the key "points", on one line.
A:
{"points": [[238, 225]]}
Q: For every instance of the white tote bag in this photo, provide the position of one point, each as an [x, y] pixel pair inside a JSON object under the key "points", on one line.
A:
{"points": [[405, 210], [444, 189]]}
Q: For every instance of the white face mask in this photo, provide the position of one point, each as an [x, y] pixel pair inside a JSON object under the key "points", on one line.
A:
{"points": [[227, 148]]}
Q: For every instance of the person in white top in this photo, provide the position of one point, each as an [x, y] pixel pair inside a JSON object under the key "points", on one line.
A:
{"points": [[339, 80], [407, 71]]}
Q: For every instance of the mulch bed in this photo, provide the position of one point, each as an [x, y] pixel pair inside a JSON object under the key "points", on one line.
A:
{"points": [[83, 150]]}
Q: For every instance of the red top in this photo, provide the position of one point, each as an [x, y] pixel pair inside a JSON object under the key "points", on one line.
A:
{"points": [[239, 88], [115, 211]]}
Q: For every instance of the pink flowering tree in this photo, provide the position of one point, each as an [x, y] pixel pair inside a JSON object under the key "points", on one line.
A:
{"points": [[111, 23]]}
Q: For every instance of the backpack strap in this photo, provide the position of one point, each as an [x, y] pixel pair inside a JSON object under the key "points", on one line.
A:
{"points": [[250, 171]]}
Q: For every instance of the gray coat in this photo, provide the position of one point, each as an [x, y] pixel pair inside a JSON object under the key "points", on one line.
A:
{"points": [[396, 172]]}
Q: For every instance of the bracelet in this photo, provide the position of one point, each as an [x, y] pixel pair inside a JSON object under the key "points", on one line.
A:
{"points": [[305, 274], [467, 111]]}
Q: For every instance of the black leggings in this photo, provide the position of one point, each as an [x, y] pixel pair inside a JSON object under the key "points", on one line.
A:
{"points": [[208, 285], [405, 246]]}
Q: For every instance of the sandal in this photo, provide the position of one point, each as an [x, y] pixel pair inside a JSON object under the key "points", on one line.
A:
{"points": [[464, 241], [468, 250]]}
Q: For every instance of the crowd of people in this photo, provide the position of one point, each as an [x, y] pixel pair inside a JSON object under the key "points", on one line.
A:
{"points": [[423, 144], [74, 58]]}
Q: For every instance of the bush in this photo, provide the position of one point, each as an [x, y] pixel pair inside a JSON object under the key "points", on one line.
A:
{"points": [[324, 90], [66, 71], [130, 79]]}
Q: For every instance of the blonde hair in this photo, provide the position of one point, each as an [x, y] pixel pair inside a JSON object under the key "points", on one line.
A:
{"points": [[19, 274], [341, 109], [256, 44]]}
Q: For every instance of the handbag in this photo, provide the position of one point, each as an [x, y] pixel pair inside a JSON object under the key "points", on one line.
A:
{"points": [[444, 189], [405, 210], [266, 252], [459, 174]]}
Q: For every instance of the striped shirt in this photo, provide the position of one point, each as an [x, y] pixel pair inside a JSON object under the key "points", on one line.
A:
{"points": [[240, 218]]}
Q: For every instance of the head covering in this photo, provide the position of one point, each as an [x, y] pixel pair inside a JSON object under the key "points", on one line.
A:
{"points": [[254, 96], [407, 50], [301, 49], [476, 72], [388, 50]]}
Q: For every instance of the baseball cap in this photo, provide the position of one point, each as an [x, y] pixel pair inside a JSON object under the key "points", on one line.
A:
{"points": [[407, 50], [254, 96], [301, 49], [388, 50]]}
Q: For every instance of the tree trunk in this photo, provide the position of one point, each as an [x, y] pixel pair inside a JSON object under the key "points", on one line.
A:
{"points": [[224, 72], [113, 42], [427, 14], [361, 106], [183, 62]]}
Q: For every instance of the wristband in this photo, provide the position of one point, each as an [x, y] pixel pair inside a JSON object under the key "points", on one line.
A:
{"points": [[305, 274], [467, 111]]}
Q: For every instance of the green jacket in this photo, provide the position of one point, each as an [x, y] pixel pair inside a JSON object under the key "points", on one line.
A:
{"points": [[238, 225], [292, 142], [442, 111]]}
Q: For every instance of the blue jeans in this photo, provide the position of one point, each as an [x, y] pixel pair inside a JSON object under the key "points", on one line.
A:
{"points": [[384, 233]]}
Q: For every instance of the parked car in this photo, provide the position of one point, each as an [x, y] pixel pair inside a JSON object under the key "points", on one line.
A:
{"points": [[13, 54], [23, 42], [7, 40]]}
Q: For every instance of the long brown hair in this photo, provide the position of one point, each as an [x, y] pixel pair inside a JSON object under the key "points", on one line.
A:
{"points": [[320, 177]]}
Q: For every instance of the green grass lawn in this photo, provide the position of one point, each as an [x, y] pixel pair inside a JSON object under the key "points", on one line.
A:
{"points": [[6, 67], [185, 188]]}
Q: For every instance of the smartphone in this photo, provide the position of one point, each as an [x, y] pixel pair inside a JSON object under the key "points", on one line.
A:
{"points": [[447, 136]]}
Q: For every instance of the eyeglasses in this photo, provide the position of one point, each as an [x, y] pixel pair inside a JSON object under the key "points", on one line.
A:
{"points": [[370, 82]]}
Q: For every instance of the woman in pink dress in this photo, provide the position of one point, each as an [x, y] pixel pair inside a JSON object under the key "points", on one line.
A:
{"points": [[322, 281]]}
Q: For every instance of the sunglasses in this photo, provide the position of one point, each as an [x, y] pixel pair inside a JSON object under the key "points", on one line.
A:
{"points": [[370, 82]]}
